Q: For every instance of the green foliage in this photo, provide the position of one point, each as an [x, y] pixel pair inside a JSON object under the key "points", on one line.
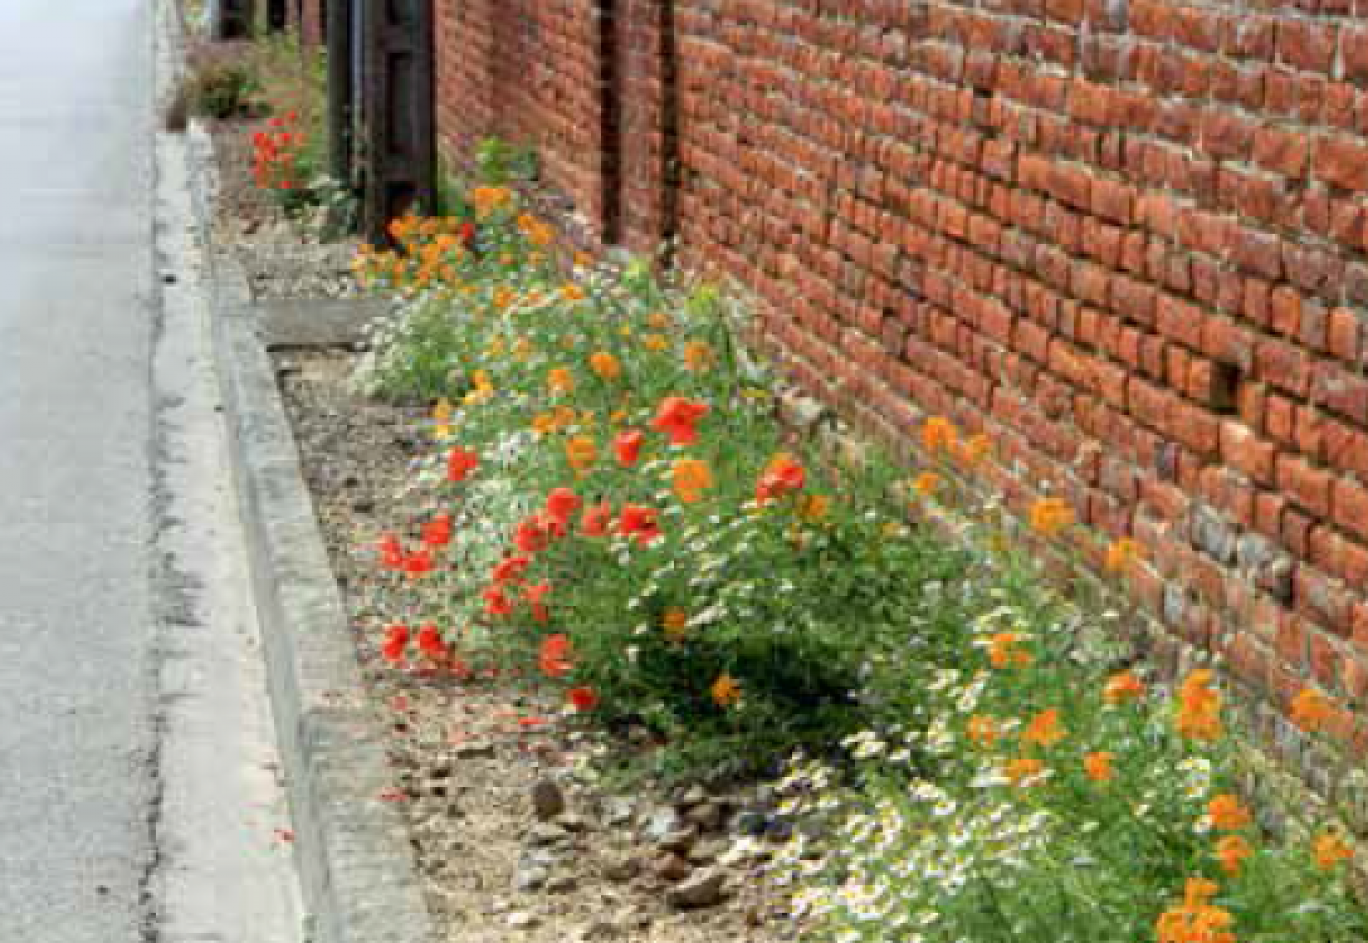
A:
{"points": [[220, 83]]}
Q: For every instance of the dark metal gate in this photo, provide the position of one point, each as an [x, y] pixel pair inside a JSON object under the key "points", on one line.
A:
{"points": [[396, 144], [233, 19]]}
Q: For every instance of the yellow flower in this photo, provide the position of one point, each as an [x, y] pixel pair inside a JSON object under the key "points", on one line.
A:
{"points": [[938, 435], [1044, 729], [584, 259], [618, 416], [697, 356], [1231, 851], [1049, 516], [658, 320], [605, 365], [726, 691], [1329, 850], [543, 423], [560, 381], [814, 507], [504, 297], [1098, 766], [655, 342], [926, 484], [676, 623], [1311, 710], [1122, 553], [572, 292], [691, 477], [522, 349], [581, 452]]}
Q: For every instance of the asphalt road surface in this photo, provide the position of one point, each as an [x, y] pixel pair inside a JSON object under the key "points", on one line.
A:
{"points": [[138, 793]]}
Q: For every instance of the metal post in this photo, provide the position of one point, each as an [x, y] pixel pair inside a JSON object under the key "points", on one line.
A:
{"points": [[233, 19]]}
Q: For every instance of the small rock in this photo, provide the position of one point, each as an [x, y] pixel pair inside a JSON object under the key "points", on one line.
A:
{"points": [[475, 750], [521, 918], [561, 884], [680, 840], [694, 795], [707, 816], [530, 878], [671, 868], [597, 930], [617, 810], [546, 833], [573, 823], [622, 869], [548, 801], [752, 822], [706, 852], [662, 822], [703, 889]]}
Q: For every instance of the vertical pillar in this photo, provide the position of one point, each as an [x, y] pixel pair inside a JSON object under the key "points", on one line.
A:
{"points": [[233, 19], [397, 112], [341, 90]]}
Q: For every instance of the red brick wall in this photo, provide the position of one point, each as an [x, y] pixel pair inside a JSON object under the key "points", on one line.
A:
{"points": [[529, 72], [1123, 237]]}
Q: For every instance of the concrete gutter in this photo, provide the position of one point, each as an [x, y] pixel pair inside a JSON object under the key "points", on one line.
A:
{"points": [[352, 847]]}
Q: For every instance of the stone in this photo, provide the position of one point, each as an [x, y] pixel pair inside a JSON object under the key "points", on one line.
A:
{"points": [[546, 833], [530, 878], [662, 822], [680, 840], [622, 869], [548, 800], [475, 750], [521, 919], [704, 888], [596, 930], [671, 868], [707, 816]]}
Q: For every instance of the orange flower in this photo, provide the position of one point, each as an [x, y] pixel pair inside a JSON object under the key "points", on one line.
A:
{"points": [[726, 691], [583, 698], [1196, 920], [1123, 686], [1049, 516], [926, 484], [581, 452], [691, 477], [1122, 553], [697, 356], [1003, 653], [974, 450], [554, 657], [1098, 766], [1024, 769], [605, 365], [676, 624], [814, 507], [1329, 850], [560, 381], [1231, 851], [655, 342], [678, 417], [1227, 813], [572, 292], [783, 475], [1044, 730], [437, 532], [938, 435], [983, 730], [1199, 707], [1311, 710]]}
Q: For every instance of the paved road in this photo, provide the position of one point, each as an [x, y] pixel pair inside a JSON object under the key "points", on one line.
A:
{"points": [[75, 338]]}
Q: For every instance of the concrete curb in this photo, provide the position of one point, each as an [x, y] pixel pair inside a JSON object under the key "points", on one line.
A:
{"points": [[352, 848]]}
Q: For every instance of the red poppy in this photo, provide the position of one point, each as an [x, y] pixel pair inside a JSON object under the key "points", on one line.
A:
{"points": [[437, 532], [431, 644], [418, 563], [783, 475], [594, 523], [510, 569], [391, 552], [396, 640], [534, 595], [627, 447], [497, 602], [554, 526], [677, 418], [639, 522], [561, 504], [460, 464], [531, 536], [554, 658], [583, 698], [468, 234]]}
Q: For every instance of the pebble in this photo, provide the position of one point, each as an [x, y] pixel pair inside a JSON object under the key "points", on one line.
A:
{"points": [[548, 800], [703, 889]]}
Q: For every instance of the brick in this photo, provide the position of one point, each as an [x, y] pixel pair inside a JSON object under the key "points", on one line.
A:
{"points": [[1351, 507], [1342, 162]]}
